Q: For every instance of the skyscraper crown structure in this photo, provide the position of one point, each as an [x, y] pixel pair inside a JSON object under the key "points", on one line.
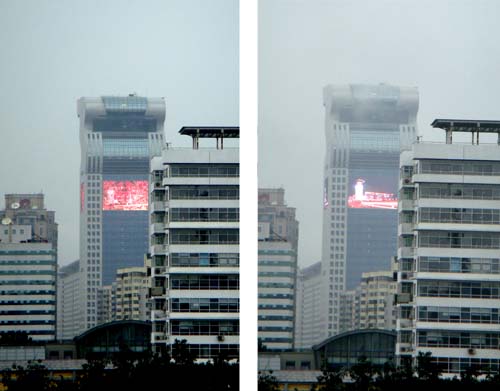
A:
{"points": [[449, 251], [118, 137], [366, 127]]}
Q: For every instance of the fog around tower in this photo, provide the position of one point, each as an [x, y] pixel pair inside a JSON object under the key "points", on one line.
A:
{"points": [[55, 51], [447, 49]]}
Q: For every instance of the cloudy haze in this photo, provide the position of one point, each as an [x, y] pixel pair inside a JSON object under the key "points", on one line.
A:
{"points": [[448, 49], [55, 51]]}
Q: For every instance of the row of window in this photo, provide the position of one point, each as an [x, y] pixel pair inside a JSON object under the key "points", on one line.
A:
{"points": [[204, 170], [204, 305], [215, 350], [459, 265], [204, 259], [459, 191], [451, 339], [204, 193], [28, 312], [205, 327], [204, 214], [463, 364], [458, 315], [28, 282], [28, 272], [210, 282], [459, 215], [30, 292], [23, 262], [459, 167], [205, 236], [459, 239], [26, 302], [482, 290]]}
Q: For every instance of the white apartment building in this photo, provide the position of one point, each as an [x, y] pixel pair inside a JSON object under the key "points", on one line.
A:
{"points": [[307, 322], [27, 283], [449, 250], [376, 297], [130, 294], [276, 291], [68, 290], [194, 245]]}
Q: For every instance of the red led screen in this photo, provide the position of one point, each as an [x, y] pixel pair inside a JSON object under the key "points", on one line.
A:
{"points": [[370, 199], [125, 195]]}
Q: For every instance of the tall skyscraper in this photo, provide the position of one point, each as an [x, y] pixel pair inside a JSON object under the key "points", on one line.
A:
{"points": [[366, 126], [278, 241], [194, 235], [118, 137], [449, 251]]}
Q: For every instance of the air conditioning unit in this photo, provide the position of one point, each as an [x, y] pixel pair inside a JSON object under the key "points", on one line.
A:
{"points": [[220, 338], [472, 351], [407, 180]]}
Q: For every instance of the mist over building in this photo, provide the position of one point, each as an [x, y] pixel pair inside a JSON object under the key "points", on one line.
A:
{"points": [[366, 127], [118, 137]]}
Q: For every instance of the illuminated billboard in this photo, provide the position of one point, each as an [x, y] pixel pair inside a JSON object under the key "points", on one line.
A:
{"points": [[371, 192], [125, 195]]}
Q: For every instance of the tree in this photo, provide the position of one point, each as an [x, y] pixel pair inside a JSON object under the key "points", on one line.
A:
{"points": [[426, 369], [267, 382], [362, 373], [331, 379], [181, 353], [34, 377]]}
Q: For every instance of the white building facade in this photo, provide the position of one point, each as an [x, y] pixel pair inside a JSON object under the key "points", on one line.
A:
{"points": [[68, 291], [277, 262], [194, 245], [308, 302], [28, 285], [449, 251]]}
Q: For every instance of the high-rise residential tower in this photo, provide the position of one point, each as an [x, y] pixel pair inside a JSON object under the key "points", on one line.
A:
{"points": [[448, 297], [194, 245], [366, 127], [278, 241], [118, 137], [28, 266]]}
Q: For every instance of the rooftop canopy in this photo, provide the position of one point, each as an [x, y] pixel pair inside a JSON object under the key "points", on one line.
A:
{"points": [[211, 131], [216, 132], [467, 125]]}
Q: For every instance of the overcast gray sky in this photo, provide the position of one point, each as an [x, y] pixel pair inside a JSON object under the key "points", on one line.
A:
{"points": [[450, 50], [55, 51]]}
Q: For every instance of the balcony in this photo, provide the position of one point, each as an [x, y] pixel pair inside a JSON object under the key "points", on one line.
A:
{"points": [[404, 298], [158, 291], [157, 228], [405, 229], [159, 249], [406, 205], [406, 252], [158, 206], [158, 315]]}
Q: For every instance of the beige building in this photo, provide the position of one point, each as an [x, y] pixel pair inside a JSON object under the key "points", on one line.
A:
{"points": [[130, 294], [376, 296]]}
